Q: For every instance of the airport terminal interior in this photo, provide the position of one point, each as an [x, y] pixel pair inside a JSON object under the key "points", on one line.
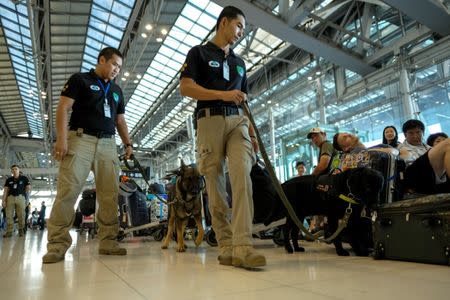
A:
{"points": [[353, 66]]}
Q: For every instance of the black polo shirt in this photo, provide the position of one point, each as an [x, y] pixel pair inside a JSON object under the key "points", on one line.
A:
{"points": [[88, 109], [204, 64], [16, 186]]}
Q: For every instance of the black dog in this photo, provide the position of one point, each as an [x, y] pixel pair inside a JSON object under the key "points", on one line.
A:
{"points": [[322, 195]]}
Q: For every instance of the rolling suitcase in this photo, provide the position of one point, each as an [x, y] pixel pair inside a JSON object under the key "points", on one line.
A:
{"points": [[133, 210], [414, 230], [389, 165]]}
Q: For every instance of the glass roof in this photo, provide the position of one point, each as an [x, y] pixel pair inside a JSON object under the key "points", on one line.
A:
{"points": [[15, 23], [107, 23], [197, 18], [193, 25]]}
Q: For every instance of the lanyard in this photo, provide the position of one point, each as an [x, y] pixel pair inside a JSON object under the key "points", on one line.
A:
{"points": [[105, 90]]}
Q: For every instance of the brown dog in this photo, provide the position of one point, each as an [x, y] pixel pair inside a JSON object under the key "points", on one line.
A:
{"points": [[184, 203]]}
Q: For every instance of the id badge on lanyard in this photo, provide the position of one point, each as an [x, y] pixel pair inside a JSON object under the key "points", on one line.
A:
{"points": [[106, 106], [226, 70], [15, 186]]}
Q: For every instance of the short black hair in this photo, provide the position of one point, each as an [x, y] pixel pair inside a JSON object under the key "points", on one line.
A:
{"points": [[434, 136], [298, 163], [229, 12], [14, 166], [108, 52], [411, 124], [335, 142]]}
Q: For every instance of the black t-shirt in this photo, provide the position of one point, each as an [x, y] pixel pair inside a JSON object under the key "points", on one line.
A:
{"points": [[88, 109], [16, 186], [205, 65]]}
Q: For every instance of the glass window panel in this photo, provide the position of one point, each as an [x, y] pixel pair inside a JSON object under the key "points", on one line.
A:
{"points": [[184, 49], [199, 30], [105, 4], [12, 35], [23, 21], [184, 23], [95, 34], [110, 30], [191, 40], [171, 42], [97, 24], [207, 21], [157, 66], [174, 65], [112, 42], [129, 3], [93, 43], [24, 31], [199, 3], [170, 72], [166, 50], [12, 26], [117, 21], [179, 57], [121, 9], [100, 13], [178, 33], [163, 60], [192, 12]]}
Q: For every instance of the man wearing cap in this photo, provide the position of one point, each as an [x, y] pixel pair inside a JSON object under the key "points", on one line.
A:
{"points": [[326, 151]]}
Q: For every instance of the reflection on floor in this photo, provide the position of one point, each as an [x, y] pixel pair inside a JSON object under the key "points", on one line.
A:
{"points": [[148, 272]]}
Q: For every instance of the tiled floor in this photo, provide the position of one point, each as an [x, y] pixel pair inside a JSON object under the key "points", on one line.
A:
{"points": [[148, 272]]}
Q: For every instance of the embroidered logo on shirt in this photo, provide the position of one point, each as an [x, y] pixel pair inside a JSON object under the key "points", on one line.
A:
{"points": [[116, 97], [95, 87], [214, 64], [240, 70]]}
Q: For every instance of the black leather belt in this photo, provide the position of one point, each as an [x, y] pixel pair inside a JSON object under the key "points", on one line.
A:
{"points": [[220, 111], [96, 133]]}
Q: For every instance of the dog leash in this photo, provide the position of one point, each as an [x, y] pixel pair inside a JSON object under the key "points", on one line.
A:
{"points": [[272, 175], [283, 197], [144, 175]]}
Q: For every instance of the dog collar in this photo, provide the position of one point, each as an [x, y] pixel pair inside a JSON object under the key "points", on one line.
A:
{"points": [[348, 199]]}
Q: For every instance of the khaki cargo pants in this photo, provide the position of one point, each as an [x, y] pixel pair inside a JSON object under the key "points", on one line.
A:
{"points": [[86, 153], [219, 137], [17, 203]]}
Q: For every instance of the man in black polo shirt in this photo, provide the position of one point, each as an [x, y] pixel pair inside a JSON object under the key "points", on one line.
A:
{"points": [[14, 194], [215, 77], [97, 106]]}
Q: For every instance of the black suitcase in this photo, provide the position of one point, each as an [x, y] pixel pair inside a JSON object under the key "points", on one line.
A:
{"points": [[133, 203], [414, 230], [389, 165]]}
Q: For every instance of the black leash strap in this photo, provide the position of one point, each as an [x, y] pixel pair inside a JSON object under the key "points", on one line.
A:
{"points": [[275, 182], [283, 197]]}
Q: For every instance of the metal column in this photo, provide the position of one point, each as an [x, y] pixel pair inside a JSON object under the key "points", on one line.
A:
{"points": [[410, 110], [272, 136], [321, 101], [191, 135]]}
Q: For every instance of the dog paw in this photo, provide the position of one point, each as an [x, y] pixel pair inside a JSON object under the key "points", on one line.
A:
{"points": [[197, 243], [289, 249], [181, 249], [342, 252], [299, 249]]}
